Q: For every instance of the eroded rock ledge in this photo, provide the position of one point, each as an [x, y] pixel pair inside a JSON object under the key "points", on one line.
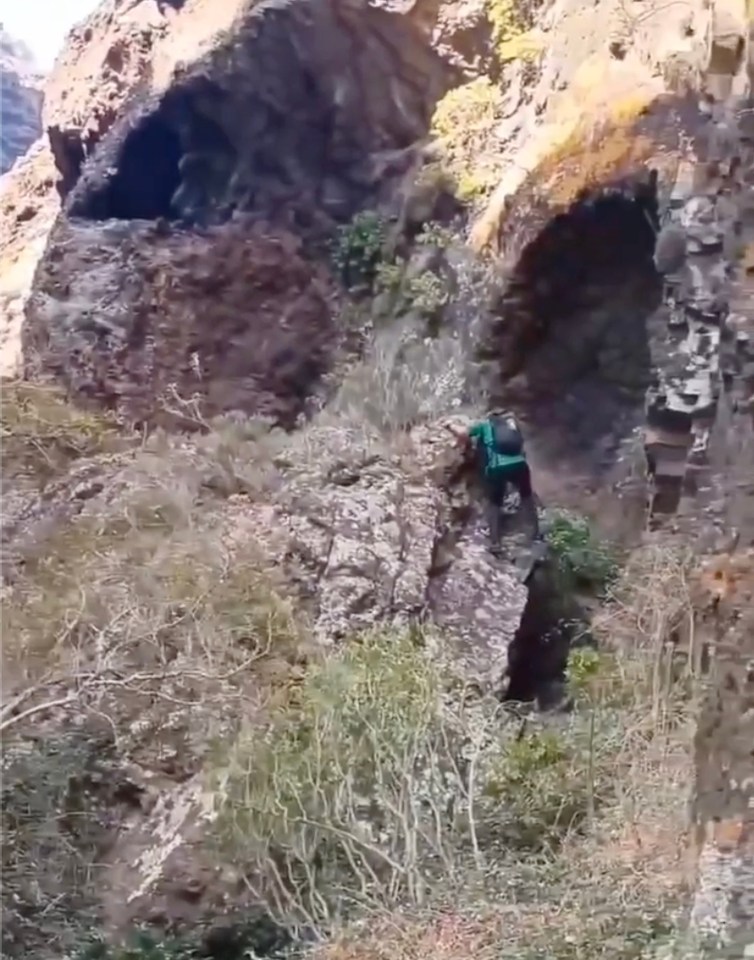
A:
{"points": [[241, 132]]}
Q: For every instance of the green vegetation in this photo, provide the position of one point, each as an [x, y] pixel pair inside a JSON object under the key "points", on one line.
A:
{"points": [[255, 936], [364, 795], [425, 293], [579, 821], [358, 249], [464, 123], [585, 561]]}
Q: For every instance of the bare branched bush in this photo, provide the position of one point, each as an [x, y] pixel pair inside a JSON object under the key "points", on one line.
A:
{"points": [[363, 793], [400, 384], [376, 789]]}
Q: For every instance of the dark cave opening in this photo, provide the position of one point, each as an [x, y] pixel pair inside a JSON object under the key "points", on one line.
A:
{"points": [[147, 175], [571, 349], [553, 623]]}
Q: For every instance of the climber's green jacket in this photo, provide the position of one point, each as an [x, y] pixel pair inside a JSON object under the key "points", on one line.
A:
{"points": [[494, 461]]}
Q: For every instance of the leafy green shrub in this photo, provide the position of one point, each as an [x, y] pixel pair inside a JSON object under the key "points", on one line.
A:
{"points": [[472, 105], [372, 788], [464, 124], [358, 249], [426, 293], [584, 560], [345, 798], [582, 669], [143, 946], [540, 780], [434, 234], [255, 936]]}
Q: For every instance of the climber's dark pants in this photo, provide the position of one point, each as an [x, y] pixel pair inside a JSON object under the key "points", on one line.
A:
{"points": [[496, 486]]}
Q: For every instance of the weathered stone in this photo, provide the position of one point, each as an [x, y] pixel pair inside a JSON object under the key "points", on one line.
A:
{"points": [[478, 605], [219, 315]]}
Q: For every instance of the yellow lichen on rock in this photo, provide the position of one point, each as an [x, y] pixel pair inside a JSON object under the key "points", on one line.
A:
{"points": [[588, 158], [579, 151], [512, 35], [464, 123]]}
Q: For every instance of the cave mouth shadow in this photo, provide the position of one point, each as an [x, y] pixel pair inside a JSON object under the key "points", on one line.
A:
{"points": [[147, 175], [573, 349]]}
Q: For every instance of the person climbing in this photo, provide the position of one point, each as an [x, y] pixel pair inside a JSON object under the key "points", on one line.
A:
{"points": [[499, 447]]}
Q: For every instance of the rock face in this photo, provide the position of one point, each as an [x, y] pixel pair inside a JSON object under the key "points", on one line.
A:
{"points": [[366, 534], [388, 540], [300, 148], [237, 132], [121, 49], [20, 101], [126, 310]]}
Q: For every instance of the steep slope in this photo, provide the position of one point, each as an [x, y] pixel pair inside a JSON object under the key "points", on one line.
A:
{"points": [[20, 102], [183, 578]]}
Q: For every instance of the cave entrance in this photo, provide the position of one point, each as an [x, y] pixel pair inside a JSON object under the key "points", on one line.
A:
{"points": [[573, 344], [147, 176], [575, 362]]}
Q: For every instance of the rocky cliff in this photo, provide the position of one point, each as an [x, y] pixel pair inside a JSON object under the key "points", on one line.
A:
{"points": [[21, 102], [266, 261]]}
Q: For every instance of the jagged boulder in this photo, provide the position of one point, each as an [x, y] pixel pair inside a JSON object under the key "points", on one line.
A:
{"points": [[387, 537], [123, 310]]}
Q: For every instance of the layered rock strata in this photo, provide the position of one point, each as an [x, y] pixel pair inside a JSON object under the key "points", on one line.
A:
{"points": [[700, 447]]}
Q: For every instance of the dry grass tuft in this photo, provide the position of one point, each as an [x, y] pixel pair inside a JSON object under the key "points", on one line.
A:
{"points": [[145, 629], [447, 935], [42, 433]]}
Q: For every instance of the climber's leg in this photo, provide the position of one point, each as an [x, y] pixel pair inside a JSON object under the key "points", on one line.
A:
{"points": [[520, 476], [496, 485]]}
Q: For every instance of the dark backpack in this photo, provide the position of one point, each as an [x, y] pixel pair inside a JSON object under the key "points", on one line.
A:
{"points": [[508, 439]]}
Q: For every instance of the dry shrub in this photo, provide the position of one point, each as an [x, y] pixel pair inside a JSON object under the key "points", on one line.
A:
{"points": [[42, 433], [53, 834], [123, 609], [145, 629], [148, 590], [401, 383], [615, 884], [446, 935], [359, 793], [379, 787]]}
